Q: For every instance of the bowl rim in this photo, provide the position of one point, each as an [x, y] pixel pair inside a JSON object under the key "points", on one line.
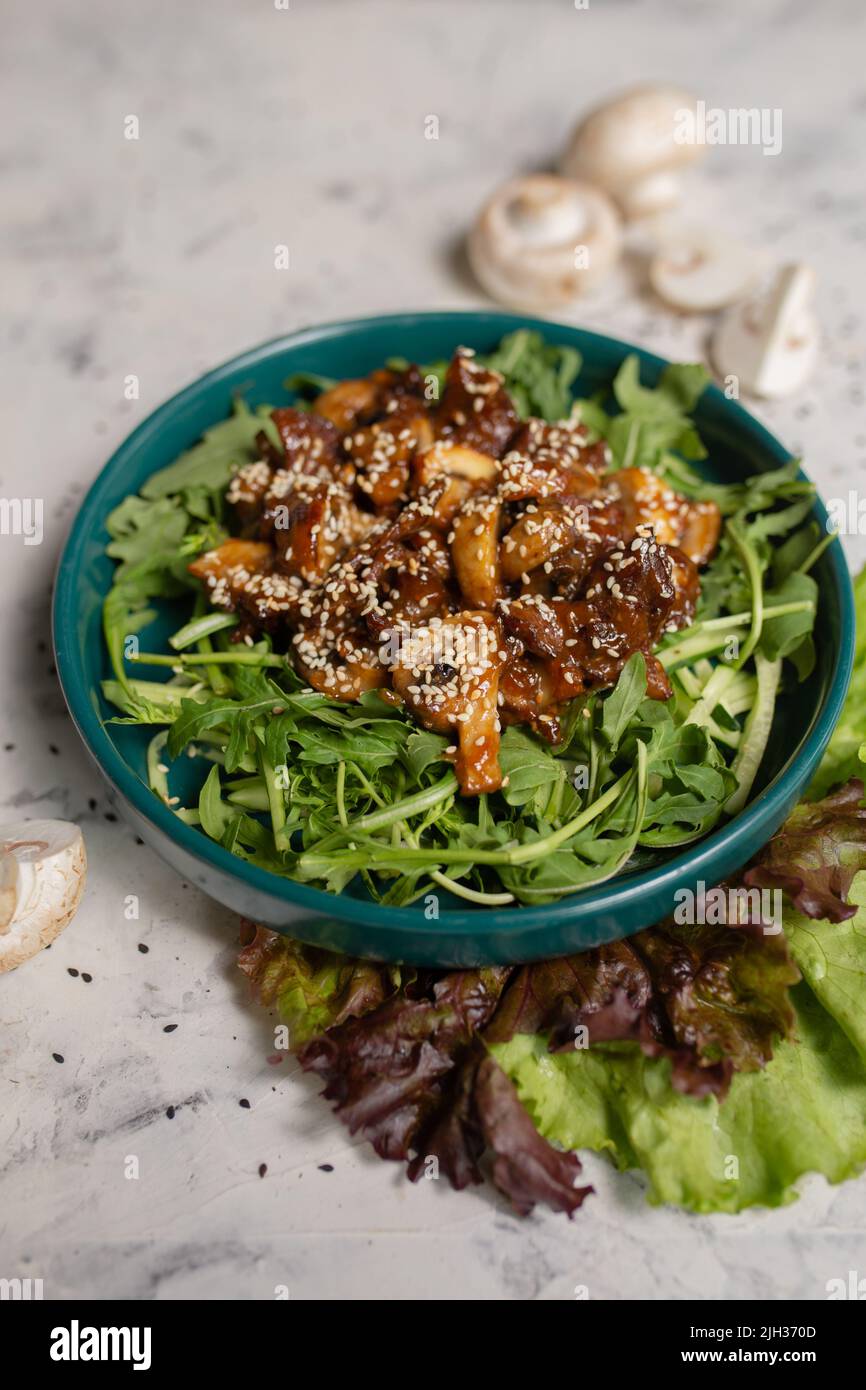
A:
{"points": [[694, 861]]}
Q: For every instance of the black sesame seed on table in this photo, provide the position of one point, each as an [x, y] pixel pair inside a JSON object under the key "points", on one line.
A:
{"points": [[244, 1104], [326, 1167], [170, 1113], [85, 977], [144, 949], [70, 970], [58, 1056], [263, 1168], [169, 1027]]}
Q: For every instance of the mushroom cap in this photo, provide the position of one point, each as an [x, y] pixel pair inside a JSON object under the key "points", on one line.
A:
{"points": [[524, 245], [51, 872], [697, 270], [629, 147]]}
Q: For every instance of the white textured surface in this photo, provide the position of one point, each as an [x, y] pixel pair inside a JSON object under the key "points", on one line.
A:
{"points": [[155, 257]]}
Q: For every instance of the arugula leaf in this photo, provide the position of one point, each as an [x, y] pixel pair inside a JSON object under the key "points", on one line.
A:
{"points": [[216, 816], [539, 375], [210, 464], [653, 421], [622, 704], [149, 532], [529, 766], [676, 395]]}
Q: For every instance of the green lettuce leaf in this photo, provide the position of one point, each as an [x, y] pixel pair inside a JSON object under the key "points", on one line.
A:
{"points": [[805, 1112], [832, 958], [312, 989]]}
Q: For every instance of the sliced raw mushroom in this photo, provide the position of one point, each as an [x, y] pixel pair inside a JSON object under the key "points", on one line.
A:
{"points": [[541, 241], [770, 343], [8, 889], [50, 868], [635, 147], [697, 271]]}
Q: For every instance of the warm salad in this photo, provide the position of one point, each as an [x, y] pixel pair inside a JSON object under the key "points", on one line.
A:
{"points": [[445, 625]]}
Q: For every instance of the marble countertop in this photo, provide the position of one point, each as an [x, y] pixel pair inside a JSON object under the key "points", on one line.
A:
{"points": [[261, 126]]}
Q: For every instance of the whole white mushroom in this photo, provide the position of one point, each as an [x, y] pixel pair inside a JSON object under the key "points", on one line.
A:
{"points": [[635, 147], [541, 241], [43, 867]]}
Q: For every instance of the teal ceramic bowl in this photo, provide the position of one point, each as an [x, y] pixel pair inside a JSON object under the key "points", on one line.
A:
{"points": [[738, 446]]}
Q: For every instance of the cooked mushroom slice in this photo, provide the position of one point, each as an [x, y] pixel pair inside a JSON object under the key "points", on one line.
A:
{"points": [[311, 443], [535, 621], [635, 146], [48, 873], [526, 696], [433, 551], [445, 459], [541, 241], [247, 491], [342, 664], [358, 586], [676, 520], [226, 570], [475, 551], [629, 601], [543, 530], [448, 487], [687, 585], [412, 591], [418, 594], [475, 409], [696, 270], [354, 403], [382, 453], [347, 402], [647, 501], [267, 600], [551, 460], [311, 524], [448, 675], [701, 531], [455, 461]]}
